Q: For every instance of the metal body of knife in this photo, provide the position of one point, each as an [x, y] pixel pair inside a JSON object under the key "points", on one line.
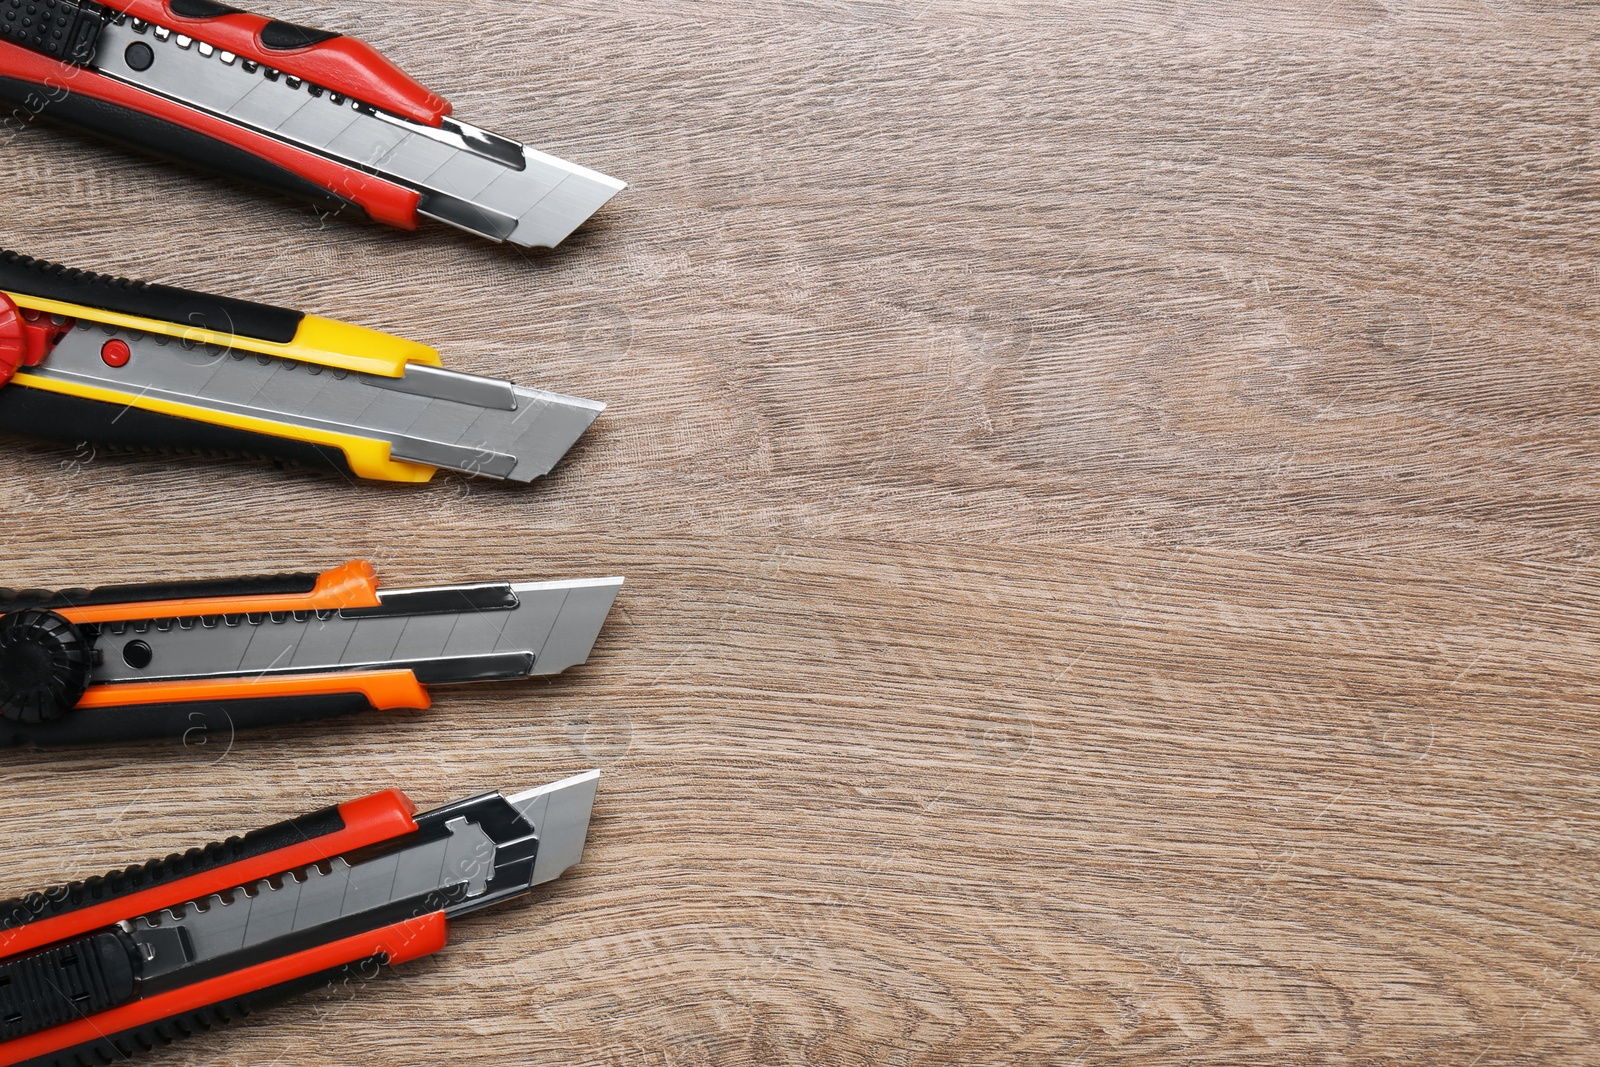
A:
{"points": [[112, 967], [187, 658], [89, 357], [312, 113]]}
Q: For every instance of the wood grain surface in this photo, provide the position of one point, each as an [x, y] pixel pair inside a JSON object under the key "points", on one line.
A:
{"points": [[1109, 501]]}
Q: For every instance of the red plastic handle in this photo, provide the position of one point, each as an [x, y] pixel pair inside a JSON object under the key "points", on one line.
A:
{"points": [[339, 64], [382, 200], [367, 821], [397, 943]]}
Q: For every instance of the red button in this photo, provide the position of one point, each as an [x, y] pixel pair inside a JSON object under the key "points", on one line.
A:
{"points": [[116, 352]]}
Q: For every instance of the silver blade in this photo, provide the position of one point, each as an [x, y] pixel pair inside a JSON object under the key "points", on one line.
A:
{"points": [[547, 627], [460, 422], [469, 178], [559, 814]]}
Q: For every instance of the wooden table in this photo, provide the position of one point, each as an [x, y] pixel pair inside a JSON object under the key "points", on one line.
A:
{"points": [[1109, 503]]}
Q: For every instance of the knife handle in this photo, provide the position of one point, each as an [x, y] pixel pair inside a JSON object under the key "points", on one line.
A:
{"points": [[135, 1040], [78, 908], [37, 85], [71, 988], [64, 30], [337, 63], [73, 420], [134, 1025], [70, 980], [42, 303]]}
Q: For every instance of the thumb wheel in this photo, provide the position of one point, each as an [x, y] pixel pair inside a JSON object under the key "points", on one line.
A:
{"points": [[44, 665]]}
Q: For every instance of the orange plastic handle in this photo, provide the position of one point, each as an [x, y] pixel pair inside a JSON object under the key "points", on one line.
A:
{"points": [[352, 585], [383, 689]]}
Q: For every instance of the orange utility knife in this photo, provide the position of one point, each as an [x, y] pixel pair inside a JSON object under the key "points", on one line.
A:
{"points": [[125, 662]]}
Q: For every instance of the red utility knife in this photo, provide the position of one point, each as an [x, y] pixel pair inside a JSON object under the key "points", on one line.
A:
{"points": [[308, 112], [102, 970]]}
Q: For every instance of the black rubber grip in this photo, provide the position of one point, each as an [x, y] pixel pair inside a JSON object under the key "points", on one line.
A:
{"points": [[52, 281], [287, 37], [75, 895], [54, 600], [200, 722], [146, 133], [278, 36], [74, 420], [201, 9], [67, 30], [65, 982], [124, 1045]]}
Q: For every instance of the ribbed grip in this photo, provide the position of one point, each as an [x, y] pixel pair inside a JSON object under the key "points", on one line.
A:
{"points": [[219, 314], [70, 981], [90, 891], [120, 1047], [55, 600], [279, 36], [61, 29]]}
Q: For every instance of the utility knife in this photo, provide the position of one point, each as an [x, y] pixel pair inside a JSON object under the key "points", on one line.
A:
{"points": [[88, 357], [99, 971], [308, 112], [199, 659]]}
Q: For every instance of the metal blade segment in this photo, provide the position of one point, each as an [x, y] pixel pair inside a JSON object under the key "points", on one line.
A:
{"points": [[559, 813]]}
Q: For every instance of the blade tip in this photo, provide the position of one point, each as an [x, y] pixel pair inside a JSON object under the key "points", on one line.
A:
{"points": [[559, 814]]}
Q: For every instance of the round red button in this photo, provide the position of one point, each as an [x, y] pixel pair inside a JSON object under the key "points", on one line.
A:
{"points": [[116, 352]]}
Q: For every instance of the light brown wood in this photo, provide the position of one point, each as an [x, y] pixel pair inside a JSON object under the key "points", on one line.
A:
{"points": [[1109, 500]]}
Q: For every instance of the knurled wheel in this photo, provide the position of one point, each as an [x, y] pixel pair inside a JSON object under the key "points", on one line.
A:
{"points": [[44, 665], [13, 343]]}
